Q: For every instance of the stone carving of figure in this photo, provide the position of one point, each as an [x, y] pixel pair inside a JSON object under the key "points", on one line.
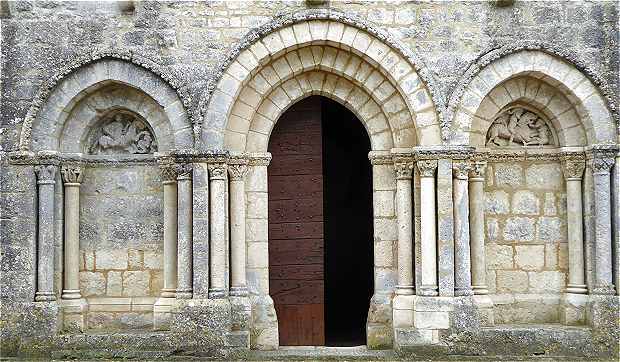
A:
{"points": [[518, 126], [122, 133]]}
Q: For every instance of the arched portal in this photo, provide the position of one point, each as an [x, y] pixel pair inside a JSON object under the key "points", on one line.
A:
{"points": [[320, 222]]}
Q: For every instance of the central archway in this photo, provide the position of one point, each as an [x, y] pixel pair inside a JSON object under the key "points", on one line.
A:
{"points": [[320, 223]]}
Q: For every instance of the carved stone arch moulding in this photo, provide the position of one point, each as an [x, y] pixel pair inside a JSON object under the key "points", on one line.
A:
{"points": [[314, 27], [520, 125], [564, 68], [73, 64]]}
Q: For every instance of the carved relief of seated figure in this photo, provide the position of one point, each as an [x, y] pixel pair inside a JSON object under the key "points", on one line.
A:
{"points": [[122, 133], [518, 126]]}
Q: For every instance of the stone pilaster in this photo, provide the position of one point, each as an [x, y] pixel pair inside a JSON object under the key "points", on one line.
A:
{"points": [[217, 178], [184, 231], [46, 176], [237, 228], [74, 305], [264, 326], [462, 258], [601, 164], [428, 228]]}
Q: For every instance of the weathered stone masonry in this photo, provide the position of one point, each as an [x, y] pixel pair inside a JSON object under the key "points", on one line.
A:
{"points": [[134, 172]]}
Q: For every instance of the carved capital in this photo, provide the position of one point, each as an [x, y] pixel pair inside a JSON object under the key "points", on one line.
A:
{"points": [[46, 174], [237, 171], [461, 170], [403, 170], [72, 173], [427, 167], [477, 170], [168, 172], [601, 165], [217, 171], [573, 169], [184, 171]]}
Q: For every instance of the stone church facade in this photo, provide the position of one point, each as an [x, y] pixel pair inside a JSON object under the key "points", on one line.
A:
{"points": [[137, 173]]}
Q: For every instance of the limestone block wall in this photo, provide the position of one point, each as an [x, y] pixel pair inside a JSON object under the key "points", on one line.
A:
{"points": [[121, 245], [526, 240]]}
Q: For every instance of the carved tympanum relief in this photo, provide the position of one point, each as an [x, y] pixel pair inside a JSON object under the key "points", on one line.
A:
{"points": [[121, 133], [518, 126]]}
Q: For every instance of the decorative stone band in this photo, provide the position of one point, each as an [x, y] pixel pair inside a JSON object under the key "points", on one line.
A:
{"points": [[46, 174], [461, 169], [427, 167], [184, 171], [380, 158], [259, 159], [72, 174], [573, 169]]}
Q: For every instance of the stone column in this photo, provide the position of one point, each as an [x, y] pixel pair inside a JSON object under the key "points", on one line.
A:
{"points": [[184, 231], [46, 176], [476, 228], [237, 229], [72, 177], [73, 304], [169, 179], [405, 228], [428, 228], [462, 261], [573, 173], [603, 281], [217, 178]]}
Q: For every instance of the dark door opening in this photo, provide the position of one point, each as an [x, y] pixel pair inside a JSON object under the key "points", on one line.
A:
{"points": [[320, 225], [347, 210]]}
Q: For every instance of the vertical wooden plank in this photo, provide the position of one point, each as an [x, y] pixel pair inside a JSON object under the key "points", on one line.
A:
{"points": [[296, 238]]}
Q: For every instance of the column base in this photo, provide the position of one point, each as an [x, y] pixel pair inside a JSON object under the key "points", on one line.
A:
{"points": [[577, 289], [480, 289], [573, 309], [184, 294], [162, 313], [74, 315], [44, 297], [428, 291], [463, 292], [168, 293], [405, 290], [264, 329], [71, 294], [484, 305], [218, 293], [241, 291]]}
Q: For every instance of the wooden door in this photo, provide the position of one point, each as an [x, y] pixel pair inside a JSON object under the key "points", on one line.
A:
{"points": [[296, 266]]}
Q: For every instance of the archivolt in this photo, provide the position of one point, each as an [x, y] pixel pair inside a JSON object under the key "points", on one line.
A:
{"points": [[67, 86], [501, 65], [335, 47]]}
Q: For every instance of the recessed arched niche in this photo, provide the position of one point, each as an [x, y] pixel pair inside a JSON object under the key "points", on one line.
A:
{"points": [[117, 129]]}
